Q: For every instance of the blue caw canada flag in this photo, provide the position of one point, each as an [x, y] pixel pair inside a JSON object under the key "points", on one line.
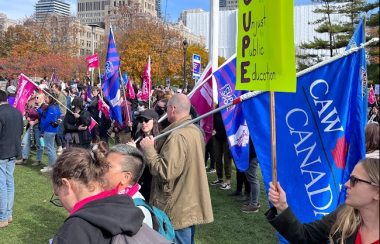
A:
{"points": [[318, 130]]}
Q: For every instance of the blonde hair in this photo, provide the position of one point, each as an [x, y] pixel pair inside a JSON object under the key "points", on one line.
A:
{"points": [[349, 219]]}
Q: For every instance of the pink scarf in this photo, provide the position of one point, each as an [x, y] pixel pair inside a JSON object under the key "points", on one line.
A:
{"points": [[130, 190]]}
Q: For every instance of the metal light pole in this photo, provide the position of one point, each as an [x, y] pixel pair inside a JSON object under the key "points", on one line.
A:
{"points": [[93, 49], [185, 44]]}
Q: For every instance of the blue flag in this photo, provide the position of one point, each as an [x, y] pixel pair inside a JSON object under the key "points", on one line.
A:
{"points": [[315, 131], [88, 91], [111, 85], [233, 118], [362, 104], [125, 78]]}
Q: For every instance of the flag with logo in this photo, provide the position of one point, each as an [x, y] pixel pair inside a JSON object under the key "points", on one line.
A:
{"points": [[233, 117], [315, 131], [93, 61], [25, 89], [202, 100], [111, 85], [147, 82]]}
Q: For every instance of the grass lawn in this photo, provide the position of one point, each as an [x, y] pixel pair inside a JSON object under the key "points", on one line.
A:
{"points": [[36, 220]]}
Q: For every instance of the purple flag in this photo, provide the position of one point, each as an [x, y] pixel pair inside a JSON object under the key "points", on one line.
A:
{"points": [[233, 117]]}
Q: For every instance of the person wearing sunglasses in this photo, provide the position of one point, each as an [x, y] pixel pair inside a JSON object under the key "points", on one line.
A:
{"points": [[33, 129], [354, 222], [96, 215], [148, 126]]}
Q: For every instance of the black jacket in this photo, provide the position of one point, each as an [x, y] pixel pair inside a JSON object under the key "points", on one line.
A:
{"points": [[71, 125], [98, 221], [221, 134], [315, 232], [11, 129]]}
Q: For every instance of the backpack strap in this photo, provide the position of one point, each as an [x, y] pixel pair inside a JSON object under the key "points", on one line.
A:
{"points": [[142, 202]]}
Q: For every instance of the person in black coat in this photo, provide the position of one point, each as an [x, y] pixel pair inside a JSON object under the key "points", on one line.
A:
{"points": [[96, 215], [355, 221], [11, 129], [77, 123]]}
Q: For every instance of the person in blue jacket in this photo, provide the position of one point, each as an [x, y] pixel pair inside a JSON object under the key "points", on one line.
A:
{"points": [[49, 127]]}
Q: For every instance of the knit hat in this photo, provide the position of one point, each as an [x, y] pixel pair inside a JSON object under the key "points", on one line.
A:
{"points": [[11, 89]]}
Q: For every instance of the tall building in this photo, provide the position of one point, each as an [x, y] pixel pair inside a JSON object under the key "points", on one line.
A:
{"points": [[158, 8], [95, 11], [43, 8], [228, 4], [199, 24], [5, 23], [183, 15]]}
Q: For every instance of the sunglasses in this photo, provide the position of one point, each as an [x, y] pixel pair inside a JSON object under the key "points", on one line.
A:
{"points": [[145, 120], [354, 180], [55, 201]]}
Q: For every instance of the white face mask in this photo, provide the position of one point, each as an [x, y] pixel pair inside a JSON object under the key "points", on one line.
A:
{"points": [[140, 108]]}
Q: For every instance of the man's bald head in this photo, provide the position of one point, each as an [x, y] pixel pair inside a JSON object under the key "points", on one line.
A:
{"points": [[181, 103]]}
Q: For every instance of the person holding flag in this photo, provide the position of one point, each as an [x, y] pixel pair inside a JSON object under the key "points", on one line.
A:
{"points": [[111, 85], [356, 221]]}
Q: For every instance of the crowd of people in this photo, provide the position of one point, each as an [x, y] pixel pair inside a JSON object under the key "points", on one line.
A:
{"points": [[96, 183]]}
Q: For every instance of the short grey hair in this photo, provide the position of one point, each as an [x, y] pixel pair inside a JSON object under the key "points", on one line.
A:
{"points": [[181, 102], [133, 160]]}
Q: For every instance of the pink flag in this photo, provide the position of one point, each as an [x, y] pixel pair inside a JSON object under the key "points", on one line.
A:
{"points": [[93, 123], [371, 97], [24, 90], [131, 92], [104, 110], [93, 61], [147, 82], [202, 100]]}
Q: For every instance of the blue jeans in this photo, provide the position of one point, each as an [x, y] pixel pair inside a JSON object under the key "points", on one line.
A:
{"points": [[49, 144], [26, 144], [251, 174], [60, 138], [185, 236], [7, 187]]}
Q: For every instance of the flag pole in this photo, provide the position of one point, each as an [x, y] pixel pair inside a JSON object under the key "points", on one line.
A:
{"points": [[273, 138], [234, 102], [122, 83], [149, 88], [255, 93]]}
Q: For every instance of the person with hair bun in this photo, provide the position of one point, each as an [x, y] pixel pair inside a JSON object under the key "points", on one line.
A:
{"points": [[354, 222], [96, 215]]}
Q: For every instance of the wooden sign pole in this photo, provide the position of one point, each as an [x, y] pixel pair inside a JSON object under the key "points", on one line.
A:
{"points": [[273, 139]]}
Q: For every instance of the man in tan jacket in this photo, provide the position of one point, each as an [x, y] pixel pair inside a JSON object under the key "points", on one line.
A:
{"points": [[176, 161]]}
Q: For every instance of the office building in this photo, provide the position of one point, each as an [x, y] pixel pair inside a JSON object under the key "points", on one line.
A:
{"points": [[44, 8]]}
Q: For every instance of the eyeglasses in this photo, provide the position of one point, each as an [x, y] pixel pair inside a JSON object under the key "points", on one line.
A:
{"points": [[163, 108], [55, 201], [354, 180], [145, 120]]}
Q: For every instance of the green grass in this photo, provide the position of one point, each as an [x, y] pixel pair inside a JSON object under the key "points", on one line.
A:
{"points": [[36, 220]]}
